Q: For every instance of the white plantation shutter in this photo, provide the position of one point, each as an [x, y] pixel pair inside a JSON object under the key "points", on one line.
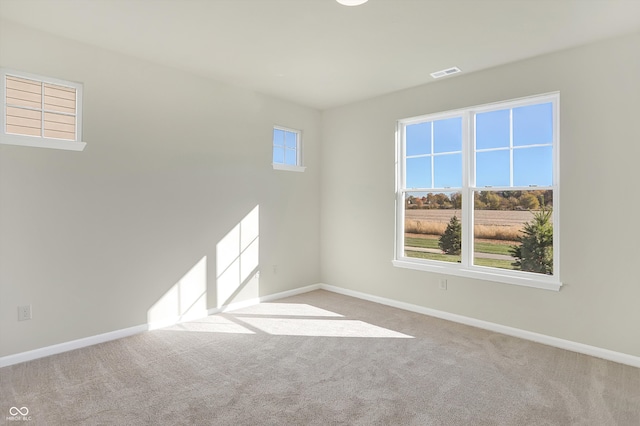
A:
{"points": [[41, 108]]}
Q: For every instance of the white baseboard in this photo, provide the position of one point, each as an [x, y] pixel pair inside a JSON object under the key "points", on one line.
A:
{"points": [[118, 334], [597, 352], [569, 345], [69, 346]]}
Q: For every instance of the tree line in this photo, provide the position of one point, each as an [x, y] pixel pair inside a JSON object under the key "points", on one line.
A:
{"points": [[485, 200]]}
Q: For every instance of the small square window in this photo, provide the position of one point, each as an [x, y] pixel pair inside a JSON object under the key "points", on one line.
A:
{"points": [[40, 111], [287, 152]]}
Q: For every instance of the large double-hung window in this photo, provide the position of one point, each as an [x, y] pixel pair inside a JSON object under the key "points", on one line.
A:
{"points": [[478, 192]]}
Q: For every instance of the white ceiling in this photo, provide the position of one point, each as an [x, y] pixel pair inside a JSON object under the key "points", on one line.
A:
{"points": [[321, 54]]}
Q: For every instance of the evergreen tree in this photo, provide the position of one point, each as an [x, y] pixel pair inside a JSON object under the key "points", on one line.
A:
{"points": [[535, 252], [451, 241]]}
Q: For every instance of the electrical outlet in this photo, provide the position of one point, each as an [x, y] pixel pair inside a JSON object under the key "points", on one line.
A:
{"points": [[442, 284], [24, 312]]}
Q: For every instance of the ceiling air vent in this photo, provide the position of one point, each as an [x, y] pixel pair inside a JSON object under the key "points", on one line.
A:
{"points": [[448, 71]]}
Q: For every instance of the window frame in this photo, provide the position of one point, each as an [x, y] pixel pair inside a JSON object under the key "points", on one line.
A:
{"points": [[298, 167], [41, 141], [466, 268]]}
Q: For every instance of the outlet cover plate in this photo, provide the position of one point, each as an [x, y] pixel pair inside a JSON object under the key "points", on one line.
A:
{"points": [[442, 284], [24, 313]]}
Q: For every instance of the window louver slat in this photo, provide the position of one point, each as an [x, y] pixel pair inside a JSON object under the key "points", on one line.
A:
{"points": [[22, 102], [48, 106], [15, 96], [59, 135], [59, 91], [23, 122], [59, 118], [23, 113], [59, 122], [23, 130], [24, 85]]}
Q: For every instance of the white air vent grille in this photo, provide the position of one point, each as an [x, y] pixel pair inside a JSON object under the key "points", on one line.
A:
{"points": [[448, 71]]}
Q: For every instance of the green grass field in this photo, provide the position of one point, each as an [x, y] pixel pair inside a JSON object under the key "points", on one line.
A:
{"points": [[480, 247], [433, 256], [421, 242], [493, 248], [494, 263]]}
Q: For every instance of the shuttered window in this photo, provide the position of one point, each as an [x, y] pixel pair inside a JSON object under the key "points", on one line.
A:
{"points": [[41, 112]]}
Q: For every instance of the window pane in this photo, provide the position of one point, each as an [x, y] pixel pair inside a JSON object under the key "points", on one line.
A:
{"points": [[278, 155], [59, 99], [492, 129], [23, 121], [23, 92], [533, 166], [447, 171], [290, 139], [492, 168], [514, 230], [533, 124], [425, 226], [278, 137], [418, 139], [290, 157], [59, 126], [418, 172], [447, 135]]}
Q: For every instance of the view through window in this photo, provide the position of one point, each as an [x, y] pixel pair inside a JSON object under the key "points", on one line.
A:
{"points": [[287, 149], [477, 191]]}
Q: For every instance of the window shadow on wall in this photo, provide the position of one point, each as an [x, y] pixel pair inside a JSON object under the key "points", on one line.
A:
{"points": [[236, 277]]}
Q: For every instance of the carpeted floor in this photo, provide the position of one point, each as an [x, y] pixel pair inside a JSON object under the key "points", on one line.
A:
{"points": [[321, 359]]}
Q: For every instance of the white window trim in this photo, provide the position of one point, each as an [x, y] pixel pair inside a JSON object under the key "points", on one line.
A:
{"points": [[466, 268], [288, 167], [40, 141]]}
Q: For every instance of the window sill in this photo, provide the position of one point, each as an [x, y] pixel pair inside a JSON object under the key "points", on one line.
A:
{"points": [[544, 282], [288, 168], [38, 142]]}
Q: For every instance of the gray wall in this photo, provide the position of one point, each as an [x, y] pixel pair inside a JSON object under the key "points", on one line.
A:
{"points": [[92, 240], [599, 87]]}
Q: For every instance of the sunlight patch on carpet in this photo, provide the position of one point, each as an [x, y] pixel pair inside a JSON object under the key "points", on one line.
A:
{"points": [[287, 309], [211, 324], [321, 328]]}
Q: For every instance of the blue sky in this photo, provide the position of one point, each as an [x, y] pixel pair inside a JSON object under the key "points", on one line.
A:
{"points": [[435, 149], [284, 147]]}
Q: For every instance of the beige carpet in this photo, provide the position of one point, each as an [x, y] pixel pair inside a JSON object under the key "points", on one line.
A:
{"points": [[322, 359]]}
